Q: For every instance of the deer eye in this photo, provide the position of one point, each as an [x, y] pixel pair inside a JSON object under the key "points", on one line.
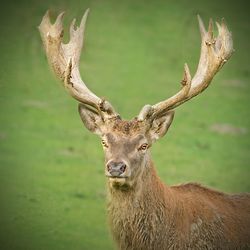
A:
{"points": [[143, 147], [104, 144]]}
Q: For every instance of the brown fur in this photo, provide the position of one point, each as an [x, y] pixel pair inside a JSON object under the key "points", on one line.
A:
{"points": [[146, 214], [126, 127], [190, 216]]}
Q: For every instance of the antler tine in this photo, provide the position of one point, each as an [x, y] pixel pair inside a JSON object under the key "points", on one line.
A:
{"points": [[214, 54], [64, 60], [161, 107]]}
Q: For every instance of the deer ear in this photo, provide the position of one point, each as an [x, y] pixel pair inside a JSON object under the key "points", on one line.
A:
{"points": [[160, 125], [91, 119]]}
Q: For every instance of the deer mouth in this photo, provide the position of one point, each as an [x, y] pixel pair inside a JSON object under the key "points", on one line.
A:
{"points": [[116, 176], [120, 182], [117, 180]]}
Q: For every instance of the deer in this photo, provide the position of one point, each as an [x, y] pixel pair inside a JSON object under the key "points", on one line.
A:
{"points": [[143, 212]]}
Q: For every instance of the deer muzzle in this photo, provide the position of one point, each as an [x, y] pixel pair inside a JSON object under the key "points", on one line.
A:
{"points": [[116, 169]]}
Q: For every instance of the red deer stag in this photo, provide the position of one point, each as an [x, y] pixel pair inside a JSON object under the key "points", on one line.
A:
{"points": [[143, 212]]}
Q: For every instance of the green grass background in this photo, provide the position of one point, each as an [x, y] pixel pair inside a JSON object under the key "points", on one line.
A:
{"points": [[52, 186]]}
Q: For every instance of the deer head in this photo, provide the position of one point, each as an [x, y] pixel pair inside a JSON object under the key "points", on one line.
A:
{"points": [[126, 143]]}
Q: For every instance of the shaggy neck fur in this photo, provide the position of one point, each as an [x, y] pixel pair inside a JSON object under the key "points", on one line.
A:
{"points": [[140, 214], [151, 215]]}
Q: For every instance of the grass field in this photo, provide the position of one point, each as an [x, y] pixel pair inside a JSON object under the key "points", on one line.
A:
{"points": [[52, 186]]}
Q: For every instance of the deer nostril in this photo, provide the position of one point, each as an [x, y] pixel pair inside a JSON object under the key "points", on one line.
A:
{"points": [[123, 168], [109, 167]]}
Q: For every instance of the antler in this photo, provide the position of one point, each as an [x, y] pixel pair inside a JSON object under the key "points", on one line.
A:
{"points": [[214, 54], [64, 60]]}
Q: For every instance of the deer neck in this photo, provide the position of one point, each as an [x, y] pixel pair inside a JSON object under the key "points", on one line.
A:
{"points": [[147, 189], [139, 209]]}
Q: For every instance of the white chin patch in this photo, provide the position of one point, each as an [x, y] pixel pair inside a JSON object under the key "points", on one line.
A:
{"points": [[116, 182]]}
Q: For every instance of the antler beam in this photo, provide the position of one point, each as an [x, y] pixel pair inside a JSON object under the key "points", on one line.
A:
{"points": [[64, 60], [214, 54]]}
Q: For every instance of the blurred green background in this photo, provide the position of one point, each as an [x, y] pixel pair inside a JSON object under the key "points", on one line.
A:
{"points": [[52, 186]]}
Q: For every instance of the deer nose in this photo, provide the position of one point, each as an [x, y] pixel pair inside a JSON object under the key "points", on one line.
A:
{"points": [[116, 168]]}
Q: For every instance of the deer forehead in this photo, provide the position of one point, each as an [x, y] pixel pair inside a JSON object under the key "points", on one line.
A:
{"points": [[124, 129], [124, 140], [127, 128], [123, 147]]}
